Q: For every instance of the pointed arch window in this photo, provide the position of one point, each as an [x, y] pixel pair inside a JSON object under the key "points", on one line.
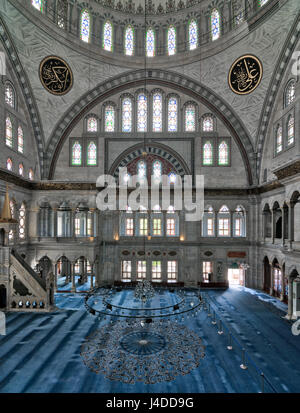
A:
{"points": [[193, 35], [126, 115], [171, 40], [157, 169], [142, 112], [142, 169], [279, 146], [223, 157], [172, 178], [290, 93], [92, 154], [208, 222], [215, 24], [190, 118], [38, 4], [108, 36], [109, 117], [157, 112], [172, 114], [150, 43], [76, 154], [20, 140], [224, 222], [22, 221], [207, 153], [9, 133], [207, 123], [92, 124], [291, 130], [85, 23], [30, 174], [129, 41], [10, 98], [9, 164], [62, 13], [21, 169]]}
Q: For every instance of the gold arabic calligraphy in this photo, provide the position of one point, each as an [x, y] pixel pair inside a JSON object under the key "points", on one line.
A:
{"points": [[245, 74], [56, 75]]}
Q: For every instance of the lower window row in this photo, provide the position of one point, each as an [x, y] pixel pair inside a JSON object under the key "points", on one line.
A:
{"points": [[156, 270]]}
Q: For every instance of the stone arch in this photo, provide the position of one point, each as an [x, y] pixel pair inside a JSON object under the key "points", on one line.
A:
{"points": [[158, 78]]}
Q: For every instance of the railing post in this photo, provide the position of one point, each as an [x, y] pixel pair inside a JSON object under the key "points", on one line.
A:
{"points": [[262, 382], [214, 318], [208, 310], [229, 347], [243, 365], [220, 330]]}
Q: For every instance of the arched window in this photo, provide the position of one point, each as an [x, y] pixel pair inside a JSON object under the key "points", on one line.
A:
{"points": [[10, 98], [207, 123], [171, 40], [172, 114], [157, 112], [22, 221], [290, 93], [157, 169], [290, 130], [9, 164], [278, 139], [20, 140], [193, 35], [8, 133], [30, 174], [223, 157], [142, 169], [85, 23], [190, 118], [109, 116], [76, 154], [262, 2], [224, 222], [21, 169], [62, 13], [92, 124], [207, 153], [150, 43], [208, 222], [129, 41], [215, 24], [108, 36], [126, 114], [172, 177], [239, 222], [38, 4], [142, 112], [92, 154]]}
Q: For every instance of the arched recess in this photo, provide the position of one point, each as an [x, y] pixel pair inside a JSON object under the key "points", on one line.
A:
{"points": [[158, 78], [155, 149]]}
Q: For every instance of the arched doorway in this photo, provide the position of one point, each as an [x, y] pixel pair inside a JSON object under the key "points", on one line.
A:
{"points": [[3, 296], [277, 278], [63, 272], [267, 275], [45, 266]]}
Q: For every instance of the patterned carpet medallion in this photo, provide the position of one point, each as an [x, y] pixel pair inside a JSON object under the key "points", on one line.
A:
{"points": [[130, 353]]}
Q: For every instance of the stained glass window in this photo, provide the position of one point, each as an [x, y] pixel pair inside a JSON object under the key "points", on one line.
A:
{"points": [[150, 43], [157, 169], [30, 174], [129, 226], [291, 130], [62, 10], [172, 115], [223, 154], [157, 112], [193, 35], [279, 139], [143, 226], [108, 36], [207, 154], [22, 221], [109, 116], [85, 26], [190, 118], [8, 134], [21, 169], [262, 2], [20, 140], [171, 227], [129, 41], [208, 124], [92, 124], [142, 169], [37, 4], [290, 93], [142, 113], [171, 40], [92, 154], [9, 95], [215, 24], [126, 115], [9, 164], [172, 177], [76, 153], [156, 226]]}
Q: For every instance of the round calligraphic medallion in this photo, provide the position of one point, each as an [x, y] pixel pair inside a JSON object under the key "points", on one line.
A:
{"points": [[56, 75], [245, 74]]}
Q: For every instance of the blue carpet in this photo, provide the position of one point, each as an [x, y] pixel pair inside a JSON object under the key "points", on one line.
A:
{"points": [[41, 352]]}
